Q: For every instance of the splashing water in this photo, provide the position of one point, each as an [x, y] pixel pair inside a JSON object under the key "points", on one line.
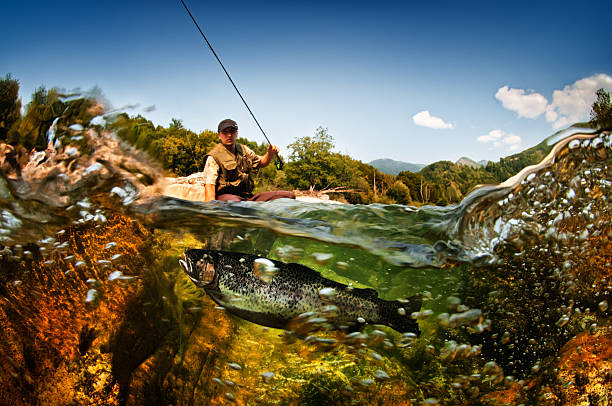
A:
{"points": [[508, 277]]}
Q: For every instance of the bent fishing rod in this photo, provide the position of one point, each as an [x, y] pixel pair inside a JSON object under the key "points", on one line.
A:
{"points": [[278, 163]]}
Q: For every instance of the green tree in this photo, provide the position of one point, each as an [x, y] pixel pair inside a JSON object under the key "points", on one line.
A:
{"points": [[44, 108], [47, 107], [176, 124], [413, 182], [399, 192], [309, 161], [601, 111], [178, 149], [10, 105]]}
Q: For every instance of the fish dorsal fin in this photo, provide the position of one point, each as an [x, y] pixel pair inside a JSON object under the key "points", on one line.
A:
{"points": [[368, 292], [303, 269]]}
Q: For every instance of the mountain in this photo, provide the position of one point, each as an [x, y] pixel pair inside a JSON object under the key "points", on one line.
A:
{"points": [[391, 167], [471, 163], [468, 162]]}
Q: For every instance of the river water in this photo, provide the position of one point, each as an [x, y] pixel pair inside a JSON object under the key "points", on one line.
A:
{"points": [[508, 277]]}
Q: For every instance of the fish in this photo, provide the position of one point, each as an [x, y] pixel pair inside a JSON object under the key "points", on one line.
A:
{"points": [[273, 293]]}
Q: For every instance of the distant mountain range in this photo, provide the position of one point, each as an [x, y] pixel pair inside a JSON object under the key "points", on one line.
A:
{"points": [[470, 162], [392, 167]]}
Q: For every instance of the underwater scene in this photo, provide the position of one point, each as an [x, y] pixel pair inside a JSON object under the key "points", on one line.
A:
{"points": [[113, 293]]}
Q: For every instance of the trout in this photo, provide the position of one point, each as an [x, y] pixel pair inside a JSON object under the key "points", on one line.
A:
{"points": [[273, 293]]}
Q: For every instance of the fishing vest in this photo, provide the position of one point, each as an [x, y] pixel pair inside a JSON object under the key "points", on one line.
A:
{"points": [[236, 174]]}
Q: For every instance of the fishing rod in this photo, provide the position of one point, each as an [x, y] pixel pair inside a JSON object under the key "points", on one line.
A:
{"points": [[278, 163]]}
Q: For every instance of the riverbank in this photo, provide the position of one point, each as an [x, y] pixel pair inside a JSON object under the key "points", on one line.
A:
{"points": [[192, 188]]}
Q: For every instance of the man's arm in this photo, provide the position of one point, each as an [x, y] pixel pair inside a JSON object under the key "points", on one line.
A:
{"points": [[211, 172], [209, 192], [270, 154]]}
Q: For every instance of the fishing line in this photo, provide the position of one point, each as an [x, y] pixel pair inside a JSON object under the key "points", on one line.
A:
{"points": [[279, 163]]}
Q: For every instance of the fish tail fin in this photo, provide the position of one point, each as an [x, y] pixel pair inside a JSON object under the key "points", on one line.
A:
{"points": [[399, 315]]}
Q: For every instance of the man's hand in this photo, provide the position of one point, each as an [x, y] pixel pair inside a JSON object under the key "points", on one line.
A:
{"points": [[270, 154], [272, 150]]}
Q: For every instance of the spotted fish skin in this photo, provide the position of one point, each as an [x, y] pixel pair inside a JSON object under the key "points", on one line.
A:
{"points": [[231, 280]]}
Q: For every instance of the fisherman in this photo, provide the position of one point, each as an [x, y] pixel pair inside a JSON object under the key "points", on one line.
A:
{"points": [[228, 176]]}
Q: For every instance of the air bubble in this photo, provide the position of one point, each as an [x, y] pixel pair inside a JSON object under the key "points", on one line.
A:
{"points": [[452, 302], [327, 293], [267, 376], [381, 375], [562, 321], [322, 258], [422, 315], [597, 143], [92, 297], [93, 168], [289, 252], [377, 334], [264, 269], [71, 152], [449, 351], [342, 265]]}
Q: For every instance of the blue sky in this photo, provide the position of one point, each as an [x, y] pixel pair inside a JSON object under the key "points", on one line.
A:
{"points": [[417, 82]]}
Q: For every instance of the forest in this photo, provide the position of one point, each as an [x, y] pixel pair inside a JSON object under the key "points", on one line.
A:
{"points": [[311, 164]]}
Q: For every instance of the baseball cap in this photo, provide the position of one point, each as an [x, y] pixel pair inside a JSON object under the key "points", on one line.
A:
{"points": [[227, 123]]}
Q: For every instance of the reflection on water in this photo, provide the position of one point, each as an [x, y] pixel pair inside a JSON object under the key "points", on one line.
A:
{"points": [[515, 283]]}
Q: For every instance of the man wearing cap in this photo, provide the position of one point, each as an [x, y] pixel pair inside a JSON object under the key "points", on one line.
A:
{"points": [[229, 175]]}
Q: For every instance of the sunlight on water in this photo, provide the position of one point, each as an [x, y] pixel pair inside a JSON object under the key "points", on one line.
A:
{"points": [[508, 280]]}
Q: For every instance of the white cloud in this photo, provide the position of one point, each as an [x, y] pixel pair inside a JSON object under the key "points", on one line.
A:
{"points": [[514, 142], [573, 103], [525, 105], [424, 119], [491, 136], [568, 106], [500, 138]]}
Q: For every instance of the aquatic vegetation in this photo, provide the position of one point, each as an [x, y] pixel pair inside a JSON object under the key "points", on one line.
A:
{"points": [[53, 334]]}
